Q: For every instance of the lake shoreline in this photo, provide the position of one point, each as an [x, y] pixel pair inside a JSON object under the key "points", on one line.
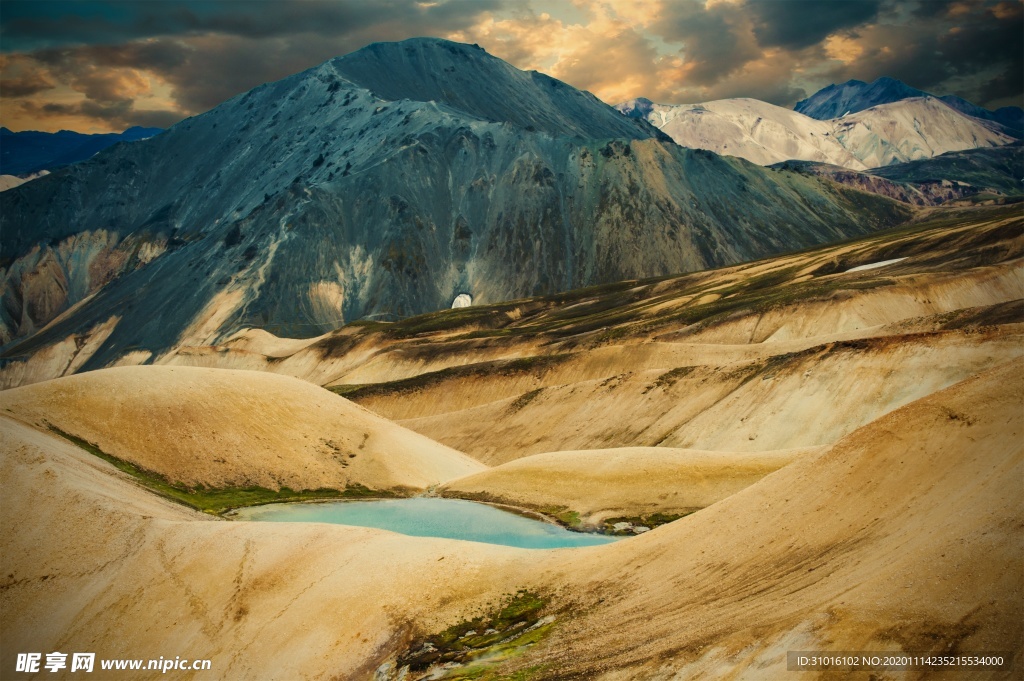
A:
{"points": [[426, 516]]}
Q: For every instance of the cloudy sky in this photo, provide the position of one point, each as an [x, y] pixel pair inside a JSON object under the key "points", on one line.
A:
{"points": [[104, 66]]}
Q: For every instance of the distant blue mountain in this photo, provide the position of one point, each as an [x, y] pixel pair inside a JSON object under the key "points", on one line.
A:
{"points": [[32, 151], [856, 95], [1010, 117]]}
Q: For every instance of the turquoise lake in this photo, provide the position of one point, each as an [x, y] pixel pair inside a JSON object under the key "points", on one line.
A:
{"points": [[430, 517]]}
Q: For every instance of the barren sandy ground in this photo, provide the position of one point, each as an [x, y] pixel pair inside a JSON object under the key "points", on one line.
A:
{"points": [[904, 535], [855, 442], [622, 482], [229, 428]]}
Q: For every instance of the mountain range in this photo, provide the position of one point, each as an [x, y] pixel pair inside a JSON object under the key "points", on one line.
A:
{"points": [[836, 101], [31, 151], [893, 132], [380, 185]]}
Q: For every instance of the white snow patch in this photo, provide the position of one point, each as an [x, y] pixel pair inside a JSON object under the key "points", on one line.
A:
{"points": [[873, 265], [462, 300]]}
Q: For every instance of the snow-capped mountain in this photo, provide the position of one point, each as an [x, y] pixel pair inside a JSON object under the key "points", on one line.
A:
{"points": [[765, 134], [385, 183]]}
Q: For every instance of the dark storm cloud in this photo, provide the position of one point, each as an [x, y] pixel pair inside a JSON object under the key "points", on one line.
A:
{"points": [[933, 8], [967, 48], [717, 39], [206, 51], [32, 24], [989, 36], [795, 24]]}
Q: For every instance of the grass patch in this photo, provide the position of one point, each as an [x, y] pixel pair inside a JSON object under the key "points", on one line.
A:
{"points": [[478, 645], [217, 500], [564, 515], [670, 378], [346, 389]]}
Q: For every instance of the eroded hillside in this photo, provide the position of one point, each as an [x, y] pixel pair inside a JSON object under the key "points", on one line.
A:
{"points": [[728, 359]]}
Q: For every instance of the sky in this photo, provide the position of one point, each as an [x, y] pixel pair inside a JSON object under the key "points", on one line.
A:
{"points": [[105, 66]]}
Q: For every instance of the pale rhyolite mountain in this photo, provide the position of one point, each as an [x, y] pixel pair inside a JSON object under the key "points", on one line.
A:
{"points": [[760, 132], [912, 129], [384, 183], [836, 101], [767, 134], [12, 181]]}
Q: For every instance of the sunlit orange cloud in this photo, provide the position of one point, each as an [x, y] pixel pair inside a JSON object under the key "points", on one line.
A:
{"points": [[843, 48], [72, 105], [608, 55], [671, 51], [31, 115]]}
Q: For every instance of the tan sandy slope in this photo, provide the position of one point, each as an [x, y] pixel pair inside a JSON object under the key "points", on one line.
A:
{"points": [[91, 562], [229, 428], [906, 535], [622, 482]]}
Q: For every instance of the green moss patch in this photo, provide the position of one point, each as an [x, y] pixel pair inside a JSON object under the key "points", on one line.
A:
{"points": [[649, 521], [472, 649]]}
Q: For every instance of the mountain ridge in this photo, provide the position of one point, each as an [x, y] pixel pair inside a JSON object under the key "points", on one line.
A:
{"points": [[853, 96], [32, 151], [762, 133], [310, 202]]}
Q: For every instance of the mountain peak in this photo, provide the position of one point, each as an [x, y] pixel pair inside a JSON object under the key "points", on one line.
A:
{"points": [[468, 79], [639, 107], [852, 96], [835, 101]]}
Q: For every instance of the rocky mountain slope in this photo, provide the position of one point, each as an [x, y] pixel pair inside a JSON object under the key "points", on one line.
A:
{"points": [[838, 100], [897, 132], [379, 185]]}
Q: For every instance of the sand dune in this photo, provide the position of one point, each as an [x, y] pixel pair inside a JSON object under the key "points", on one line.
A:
{"points": [[800, 399], [221, 428]]}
